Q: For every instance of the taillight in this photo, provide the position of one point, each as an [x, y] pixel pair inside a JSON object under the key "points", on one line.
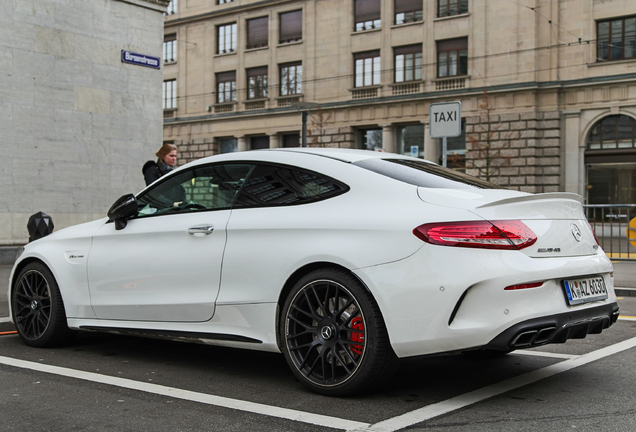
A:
{"points": [[593, 233], [523, 286], [509, 235]]}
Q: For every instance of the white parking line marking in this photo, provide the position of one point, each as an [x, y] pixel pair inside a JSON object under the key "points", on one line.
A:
{"points": [[545, 354], [620, 318], [267, 410], [5, 320], [434, 410]]}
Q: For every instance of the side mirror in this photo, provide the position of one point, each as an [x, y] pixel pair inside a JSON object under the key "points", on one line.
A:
{"points": [[124, 208]]}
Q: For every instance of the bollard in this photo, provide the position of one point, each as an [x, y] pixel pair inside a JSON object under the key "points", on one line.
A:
{"points": [[39, 225]]}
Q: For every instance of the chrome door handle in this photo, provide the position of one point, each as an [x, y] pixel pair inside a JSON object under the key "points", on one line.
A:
{"points": [[201, 230]]}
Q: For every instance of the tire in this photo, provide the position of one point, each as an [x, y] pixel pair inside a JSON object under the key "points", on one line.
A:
{"points": [[335, 351], [38, 310]]}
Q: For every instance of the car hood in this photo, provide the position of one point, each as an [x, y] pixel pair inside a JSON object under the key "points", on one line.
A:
{"points": [[86, 229], [556, 218]]}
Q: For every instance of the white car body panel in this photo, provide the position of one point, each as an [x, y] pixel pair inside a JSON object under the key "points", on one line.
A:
{"points": [[153, 275]]}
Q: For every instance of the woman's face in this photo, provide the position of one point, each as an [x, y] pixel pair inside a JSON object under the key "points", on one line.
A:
{"points": [[170, 158]]}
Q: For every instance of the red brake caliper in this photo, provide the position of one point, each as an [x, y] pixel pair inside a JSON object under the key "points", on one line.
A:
{"points": [[356, 324]]}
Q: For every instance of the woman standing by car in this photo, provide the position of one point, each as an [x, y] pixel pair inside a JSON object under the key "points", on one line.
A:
{"points": [[166, 160]]}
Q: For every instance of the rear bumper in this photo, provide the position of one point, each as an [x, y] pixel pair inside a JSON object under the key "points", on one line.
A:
{"points": [[556, 328]]}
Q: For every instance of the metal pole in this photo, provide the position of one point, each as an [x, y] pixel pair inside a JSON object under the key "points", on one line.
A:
{"points": [[444, 152], [303, 142]]}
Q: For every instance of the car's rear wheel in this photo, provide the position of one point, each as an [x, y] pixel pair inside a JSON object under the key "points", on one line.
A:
{"points": [[38, 311], [333, 335]]}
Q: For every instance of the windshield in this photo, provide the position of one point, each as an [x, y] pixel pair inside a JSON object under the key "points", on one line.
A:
{"points": [[424, 174]]}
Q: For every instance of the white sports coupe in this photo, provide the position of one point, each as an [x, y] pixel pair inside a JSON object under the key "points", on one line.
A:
{"points": [[343, 260]]}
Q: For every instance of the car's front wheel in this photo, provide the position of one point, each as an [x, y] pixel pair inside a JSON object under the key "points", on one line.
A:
{"points": [[38, 311], [333, 335]]}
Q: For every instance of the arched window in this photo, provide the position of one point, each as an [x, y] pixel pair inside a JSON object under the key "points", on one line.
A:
{"points": [[613, 132], [610, 159]]}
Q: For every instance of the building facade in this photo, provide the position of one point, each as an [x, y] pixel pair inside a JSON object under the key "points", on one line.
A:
{"points": [[76, 121], [547, 87]]}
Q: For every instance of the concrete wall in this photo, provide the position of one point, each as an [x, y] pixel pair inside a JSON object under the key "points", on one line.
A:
{"points": [[76, 123]]}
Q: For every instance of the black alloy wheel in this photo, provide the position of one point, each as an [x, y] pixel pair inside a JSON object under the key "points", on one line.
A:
{"points": [[38, 311], [333, 335]]}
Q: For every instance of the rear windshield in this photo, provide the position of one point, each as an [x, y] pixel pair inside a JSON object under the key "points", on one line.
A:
{"points": [[420, 173]]}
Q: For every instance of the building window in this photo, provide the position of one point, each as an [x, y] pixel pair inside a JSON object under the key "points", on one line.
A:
{"points": [[452, 57], [226, 87], [228, 145], [613, 132], [370, 139], [291, 26], [257, 82], [170, 94], [226, 38], [367, 14], [410, 140], [172, 8], [616, 39], [407, 11], [451, 7], [259, 142], [170, 48], [257, 31], [220, 2], [291, 79], [408, 63], [367, 68], [291, 140], [456, 150]]}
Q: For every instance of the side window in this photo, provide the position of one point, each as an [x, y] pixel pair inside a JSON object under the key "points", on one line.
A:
{"points": [[275, 185], [211, 187]]}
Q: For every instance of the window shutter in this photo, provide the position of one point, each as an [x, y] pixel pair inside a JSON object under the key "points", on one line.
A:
{"points": [[366, 55], [452, 45], [257, 30], [226, 76], [291, 26], [402, 6], [257, 71], [411, 49], [367, 10]]}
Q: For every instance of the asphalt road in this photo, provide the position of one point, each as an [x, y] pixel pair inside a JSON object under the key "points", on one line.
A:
{"points": [[108, 382]]}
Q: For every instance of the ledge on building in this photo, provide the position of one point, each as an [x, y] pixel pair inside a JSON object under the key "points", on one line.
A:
{"points": [[368, 92], [224, 107], [256, 104], [451, 83], [406, 87], [287, 100], [169, 112]]}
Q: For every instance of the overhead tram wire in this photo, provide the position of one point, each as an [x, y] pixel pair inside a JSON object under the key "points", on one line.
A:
{"points": [[242, 90]]}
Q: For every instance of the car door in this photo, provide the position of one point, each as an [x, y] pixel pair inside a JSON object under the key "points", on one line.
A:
{"points": [[165, 264]]}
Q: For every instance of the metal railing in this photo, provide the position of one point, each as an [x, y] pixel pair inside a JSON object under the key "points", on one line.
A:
{"points": [[611, 226]]}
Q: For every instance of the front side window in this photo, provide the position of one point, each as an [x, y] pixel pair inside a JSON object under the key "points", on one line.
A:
{"points": [[226, 86], [170, 48], [291, 26], [276, 185], [257, 82], [257, 31], [616, 39], [212, 187], [367, 68], [170, 94], [408, 63], [367, 14], [451, 7], [226, 38], [291, 79], [407, 11], [452, 57]]}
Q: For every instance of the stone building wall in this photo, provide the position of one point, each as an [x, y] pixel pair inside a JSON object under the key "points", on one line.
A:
{"points": [[524, 149]]}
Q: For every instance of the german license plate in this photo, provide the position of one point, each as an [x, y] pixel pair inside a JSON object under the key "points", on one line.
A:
{"points": [[585, 290]]}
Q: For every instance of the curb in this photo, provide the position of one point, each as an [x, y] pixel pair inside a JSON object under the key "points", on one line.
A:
{"points": [[625, 292]]}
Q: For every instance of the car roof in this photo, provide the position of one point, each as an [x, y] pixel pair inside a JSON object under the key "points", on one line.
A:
{"points": [[341, 154]]}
